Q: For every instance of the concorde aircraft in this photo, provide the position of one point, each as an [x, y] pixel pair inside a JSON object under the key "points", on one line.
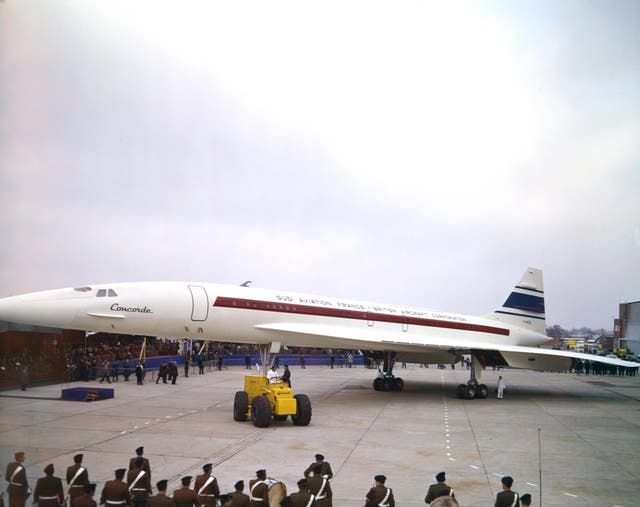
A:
{"points": [[513, 335]]}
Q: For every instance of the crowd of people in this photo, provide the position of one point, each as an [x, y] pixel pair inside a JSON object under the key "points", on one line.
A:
{"points": [[132, 487]]}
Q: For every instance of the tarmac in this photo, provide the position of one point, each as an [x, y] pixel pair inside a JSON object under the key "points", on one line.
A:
{"points": [[584, 428]]}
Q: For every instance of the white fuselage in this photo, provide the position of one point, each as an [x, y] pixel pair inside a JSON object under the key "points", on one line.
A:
{"points": [[247, 315]]}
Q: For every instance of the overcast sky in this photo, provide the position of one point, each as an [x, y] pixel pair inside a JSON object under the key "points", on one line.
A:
{"points": [[419, 153]]}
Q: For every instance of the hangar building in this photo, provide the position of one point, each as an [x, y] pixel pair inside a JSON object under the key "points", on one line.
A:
{"points": [[627, 327]]}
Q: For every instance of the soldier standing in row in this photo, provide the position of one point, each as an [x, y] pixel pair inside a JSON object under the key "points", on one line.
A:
{"points": [[48, 492], [325, 467], [173, 371], [161, 499], [320, 488], [507, 498], [77, 479], [115, 492], [259, 490], [86, 499], [139, 373], [303, 497], [238, 498], [206, 487], [162, 373], [16, 476], [139, 483], [439, 489], [382, 495], [185, 496], [145, 462]]}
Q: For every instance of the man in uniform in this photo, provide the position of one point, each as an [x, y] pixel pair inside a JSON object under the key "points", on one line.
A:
{"points": [[303, 497], [439, 489], [206, 487], [48, 492], [382, 495], [259, 490], [325, 467], [286, 375], [77, 479], [507, 498], [162, 373], [139, 483], [320, 488], [145, 462], [525, 500], [185, 496], [238, 498], [16, 476], [115, 493], [86, 499], [139, 373], [161, 499]]}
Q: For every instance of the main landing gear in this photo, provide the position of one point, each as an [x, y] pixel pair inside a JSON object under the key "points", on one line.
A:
{"points": [[472, 389], [386, 380]]}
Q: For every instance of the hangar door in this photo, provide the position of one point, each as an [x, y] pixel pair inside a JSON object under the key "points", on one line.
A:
{"points": [[200, 300]]}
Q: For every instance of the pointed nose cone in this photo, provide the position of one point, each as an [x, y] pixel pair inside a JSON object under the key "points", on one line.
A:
{"points": [[10, 309], [48, 309]]}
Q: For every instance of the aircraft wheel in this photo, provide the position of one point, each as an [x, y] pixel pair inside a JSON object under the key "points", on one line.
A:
{"points": [[261, 411], [461, 391], [240, 406], [386, 384], [377, 384], [397, 384], [302, 417], [482, 392], [470, 392]]}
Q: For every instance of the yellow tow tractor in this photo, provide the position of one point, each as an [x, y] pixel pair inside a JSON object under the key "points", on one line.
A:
{"points": [[262, 400]]}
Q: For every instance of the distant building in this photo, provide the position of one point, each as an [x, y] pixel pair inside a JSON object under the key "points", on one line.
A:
{"points": [[627, 327]]}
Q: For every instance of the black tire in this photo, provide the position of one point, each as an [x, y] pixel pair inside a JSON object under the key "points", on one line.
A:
{"points": [[302, 417], [470, 392], [261, 411], [461, 391], [240, 406], [385, 385], [397, 384], [377, 384], [482, 391]]}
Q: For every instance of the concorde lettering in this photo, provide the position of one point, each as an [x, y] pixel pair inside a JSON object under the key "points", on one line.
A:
{"points": [[513, 335]]}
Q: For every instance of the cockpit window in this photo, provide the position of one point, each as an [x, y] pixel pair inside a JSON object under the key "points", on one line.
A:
{"points": [[83, 289], [112, 293], [101, 293]]}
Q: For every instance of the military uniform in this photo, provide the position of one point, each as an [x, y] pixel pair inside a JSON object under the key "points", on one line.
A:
{"points": [[85, 500], [259, 493], [383, 496], [185, 497], [437, 490], [300, 499], [160, 501], [239, 499], [507, 498], [78, 480], [320, 488], [139, 486], [325, 471], [48, 492], [206, 487], [145, 465], [115, 493], [18, 489]]}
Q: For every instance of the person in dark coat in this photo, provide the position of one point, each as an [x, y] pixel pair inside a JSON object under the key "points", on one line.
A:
{"points": [[302, 497], [77, 479], [320, 488], [286, 375], [259, 490], [48, 492], [206, 487], [325, 469], [145, 462], [115, 493], [238, 498], [86, 499], [507, 498], [162, 373], [439, 489], [382, 495], [161, 499], [16, 476], [139, 373], [185, 496], [139, 483], [173, 371]]}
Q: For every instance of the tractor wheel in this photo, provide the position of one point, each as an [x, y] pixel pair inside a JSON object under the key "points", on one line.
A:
{"points": [[240, 406], [482, 392], [261, 411], [303, 410]]}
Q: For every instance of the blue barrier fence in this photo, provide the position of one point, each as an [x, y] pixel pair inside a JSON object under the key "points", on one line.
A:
{"points": [[153, 363]]}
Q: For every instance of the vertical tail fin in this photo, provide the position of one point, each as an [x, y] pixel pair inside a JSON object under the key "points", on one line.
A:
{"points": [[525, 305]]}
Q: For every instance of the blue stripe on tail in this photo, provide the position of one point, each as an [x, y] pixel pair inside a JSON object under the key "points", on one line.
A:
{"points": [[525, 302]]}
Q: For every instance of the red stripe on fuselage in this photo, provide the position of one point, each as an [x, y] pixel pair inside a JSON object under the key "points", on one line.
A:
{"points": [[270, 306]]}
